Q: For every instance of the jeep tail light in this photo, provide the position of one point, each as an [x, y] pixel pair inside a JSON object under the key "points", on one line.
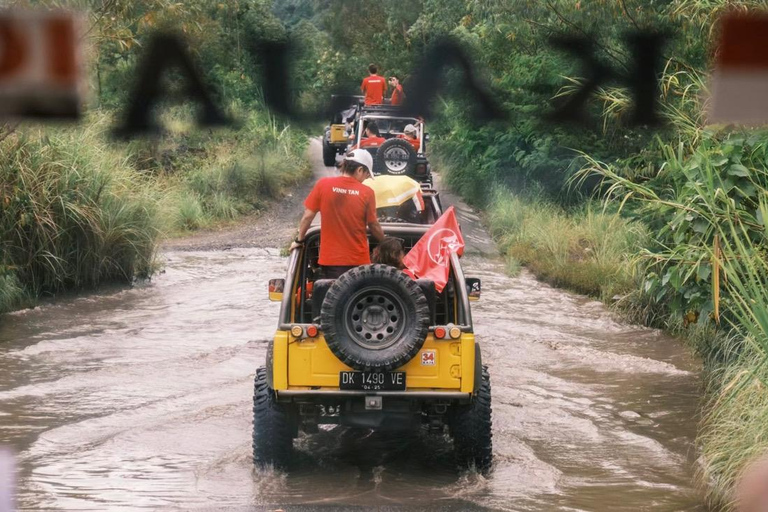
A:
{"points": [[297, 331], [421, 168], [440, 332], [312, 331], [454, 332]]}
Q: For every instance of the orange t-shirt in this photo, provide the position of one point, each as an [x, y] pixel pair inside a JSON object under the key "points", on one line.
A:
{"points": [[346, 208], [369, 142], [373, 87], [372, 142], [414, 142], [397, 96]]}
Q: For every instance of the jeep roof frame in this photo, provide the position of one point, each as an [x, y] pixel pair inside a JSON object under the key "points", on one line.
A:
{"points": [[373, 116], [464, 316]]}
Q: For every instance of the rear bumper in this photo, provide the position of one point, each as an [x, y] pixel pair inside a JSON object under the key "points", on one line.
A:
{"points": [[308, 365], [291, 394]]}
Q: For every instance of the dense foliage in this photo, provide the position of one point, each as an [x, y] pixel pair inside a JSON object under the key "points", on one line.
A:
{"points": [[73, 215], [681, 236], [79, 209]]}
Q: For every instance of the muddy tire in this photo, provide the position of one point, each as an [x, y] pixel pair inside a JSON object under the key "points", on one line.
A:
{"points": [[329, 153], [470, 427], [375, 318], [273, 429], [396, 157]]}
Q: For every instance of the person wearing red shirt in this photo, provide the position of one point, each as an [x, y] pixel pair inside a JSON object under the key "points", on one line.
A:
{"points": [[411, 134], [397, 91], [372, 137], [347, 208], [373, 87]]}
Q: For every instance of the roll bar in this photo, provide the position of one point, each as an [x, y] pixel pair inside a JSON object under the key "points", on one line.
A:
{"points": [[465, 313]]}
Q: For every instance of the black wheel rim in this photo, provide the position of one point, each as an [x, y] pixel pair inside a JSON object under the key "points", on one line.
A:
{"points": [[396, 160], [375, 318]]}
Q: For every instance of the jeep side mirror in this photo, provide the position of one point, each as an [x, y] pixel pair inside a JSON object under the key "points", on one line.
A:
{"points": [[276, 289], [473, 287]]}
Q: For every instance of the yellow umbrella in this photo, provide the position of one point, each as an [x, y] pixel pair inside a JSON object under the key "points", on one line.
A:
{"points": [[393, 190]]}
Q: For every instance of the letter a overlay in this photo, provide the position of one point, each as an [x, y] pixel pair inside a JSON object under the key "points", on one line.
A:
{"points": [[165, 51]]}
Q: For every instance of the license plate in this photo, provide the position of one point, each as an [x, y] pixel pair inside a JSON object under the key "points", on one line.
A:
{"points": [[372, 381]]}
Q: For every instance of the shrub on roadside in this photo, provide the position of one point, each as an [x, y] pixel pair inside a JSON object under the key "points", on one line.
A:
{"points": [[221, 174], [587, 250], [706, 268], [73, 215]]}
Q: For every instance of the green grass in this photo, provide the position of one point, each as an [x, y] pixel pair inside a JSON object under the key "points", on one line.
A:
{"points": [[217, 176], [74, 214], [79, 209], [585, 250], [12, 294], [734, 430]]}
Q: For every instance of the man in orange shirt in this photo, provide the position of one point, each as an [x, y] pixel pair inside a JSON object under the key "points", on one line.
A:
{"points": [[347, 208], [372, 137], [373, 87], [397, 91], [411, 134]]}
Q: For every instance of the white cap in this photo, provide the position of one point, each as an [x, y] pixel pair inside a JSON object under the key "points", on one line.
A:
{"points": [[409, 128], [362, 157]]}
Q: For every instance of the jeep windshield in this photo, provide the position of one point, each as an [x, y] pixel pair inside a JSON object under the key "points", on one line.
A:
{"points": [[388, 126]]}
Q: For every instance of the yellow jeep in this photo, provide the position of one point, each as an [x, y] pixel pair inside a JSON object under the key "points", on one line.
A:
{"points": [[373, 349]]}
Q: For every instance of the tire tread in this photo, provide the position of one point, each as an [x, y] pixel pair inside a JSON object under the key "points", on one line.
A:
{"points": [[272, 426], [471, 428]]}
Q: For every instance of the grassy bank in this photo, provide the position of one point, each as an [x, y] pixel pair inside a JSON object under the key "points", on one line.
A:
{"points": [[78, 210], [74, 214], [691, 261], [583, 249], [216, 176]]}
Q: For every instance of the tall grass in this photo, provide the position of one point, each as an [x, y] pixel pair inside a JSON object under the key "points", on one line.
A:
{"points": [[77, 210], [736, 427], [73, 215], [713, 242], [586, 250], [220, 175]]}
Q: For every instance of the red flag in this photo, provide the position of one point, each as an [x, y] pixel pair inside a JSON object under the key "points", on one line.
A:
{"points": [[430, 258]]}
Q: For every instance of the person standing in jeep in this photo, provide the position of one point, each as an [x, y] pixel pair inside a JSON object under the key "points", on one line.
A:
{"points": [[347, 208], [373, 87], [397, 91]]}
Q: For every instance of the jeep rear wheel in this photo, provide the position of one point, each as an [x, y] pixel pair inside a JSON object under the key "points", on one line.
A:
{"points": [[396, 157], [273, 426], [329, 153], [470, 427], [375, 317]]}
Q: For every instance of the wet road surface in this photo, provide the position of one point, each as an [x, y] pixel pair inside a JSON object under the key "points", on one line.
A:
{"points": [[140, 398]]}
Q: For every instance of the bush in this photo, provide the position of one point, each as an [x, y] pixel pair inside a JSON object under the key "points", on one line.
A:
{"points": [[215, 175], [74, 214]]}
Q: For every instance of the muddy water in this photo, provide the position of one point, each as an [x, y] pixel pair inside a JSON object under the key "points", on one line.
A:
{"points": [[141, 399]]}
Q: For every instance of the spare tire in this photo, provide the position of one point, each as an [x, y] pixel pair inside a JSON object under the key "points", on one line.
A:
{"points": [[375, 318], [396, 157]]}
